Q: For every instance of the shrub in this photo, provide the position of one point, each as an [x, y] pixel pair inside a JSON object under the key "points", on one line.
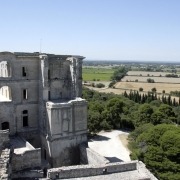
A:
{"points": [[112, 83], [93, 85], [100, 85], [149, 80], [140, 89], [153, 89]]}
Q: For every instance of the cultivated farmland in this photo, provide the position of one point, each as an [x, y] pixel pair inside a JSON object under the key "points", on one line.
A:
{"points": [[156, 79], [142, 76], [97, 74], [146, 73], [147, 86]]}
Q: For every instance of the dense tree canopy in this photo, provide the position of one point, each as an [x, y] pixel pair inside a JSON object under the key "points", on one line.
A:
{"points": [[118, 111], [159, 147]]}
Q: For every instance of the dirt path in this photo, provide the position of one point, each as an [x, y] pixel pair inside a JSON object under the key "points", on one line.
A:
{"points": [[124, 140], [112, 145]]}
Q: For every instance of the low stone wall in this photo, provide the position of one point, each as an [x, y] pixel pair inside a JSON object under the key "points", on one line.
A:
{"points": [[90, 170], [141, 167], [28, 159], [28, 174], [88, 156], [4, 138]]}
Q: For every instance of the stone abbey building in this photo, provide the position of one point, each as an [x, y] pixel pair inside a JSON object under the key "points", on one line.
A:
{"points": [[43, 122], [40, 100]]}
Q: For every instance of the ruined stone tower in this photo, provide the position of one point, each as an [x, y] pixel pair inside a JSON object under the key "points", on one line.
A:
{"points": [[40, 100]]}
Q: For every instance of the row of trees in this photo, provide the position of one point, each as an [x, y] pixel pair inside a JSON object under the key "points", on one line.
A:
{"points": [[118, 74], [172, 75], [150, 96], [175, 93]]}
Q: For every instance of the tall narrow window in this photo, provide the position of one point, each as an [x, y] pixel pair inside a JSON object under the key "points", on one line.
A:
{"points": [[49, 95], [48, 74], [24, 72], [45, 154], [25, 94], [25, 118]]}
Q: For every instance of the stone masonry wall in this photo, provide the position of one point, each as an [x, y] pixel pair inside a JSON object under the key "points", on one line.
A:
{"points": [[4, 155], [29, 159], [90, 170], [5, 164], [88, 156], [4, 138], [28, 174]]}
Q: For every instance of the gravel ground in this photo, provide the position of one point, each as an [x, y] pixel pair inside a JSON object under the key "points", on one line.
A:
{"points": [[109, 145]]}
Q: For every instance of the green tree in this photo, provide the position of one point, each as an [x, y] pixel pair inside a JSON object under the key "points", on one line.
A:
{"points": [[153, 90], [149, 80], [159, 148], [140, 89], [119, 74], [144, 114], [115, 107]]}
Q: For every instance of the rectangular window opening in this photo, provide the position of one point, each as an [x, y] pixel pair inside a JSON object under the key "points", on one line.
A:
{"points": [[45, 154], [48, 74], [25, 121], [49, 95], [25, 94], [24, 74]]}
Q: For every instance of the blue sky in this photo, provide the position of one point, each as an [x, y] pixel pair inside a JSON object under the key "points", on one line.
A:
{"points": [[97, 29]]}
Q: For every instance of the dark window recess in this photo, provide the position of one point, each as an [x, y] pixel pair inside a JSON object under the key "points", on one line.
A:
{"points": [[25, 118], [25, 121], [49, 95], [5, 125], [60, 95], [48, 74], [24, 93], [25, 112], [24, 73], [45, 154]]}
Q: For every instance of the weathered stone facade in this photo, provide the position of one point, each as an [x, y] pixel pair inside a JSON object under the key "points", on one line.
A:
{"points": [[40, 100]]}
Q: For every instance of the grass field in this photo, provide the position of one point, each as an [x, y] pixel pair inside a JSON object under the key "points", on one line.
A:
{"points": [[101, 74]]}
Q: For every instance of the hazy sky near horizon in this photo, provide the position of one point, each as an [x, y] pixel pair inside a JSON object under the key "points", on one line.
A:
{"points": [[97, 29]]}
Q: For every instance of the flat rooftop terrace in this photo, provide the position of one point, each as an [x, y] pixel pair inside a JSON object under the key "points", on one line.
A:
{"points": [[20, 145]]}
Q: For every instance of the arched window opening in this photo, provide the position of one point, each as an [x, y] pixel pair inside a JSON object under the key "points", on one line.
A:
{"points": [[5, 69], [25, 118], [5, 94], [5, 125]]}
